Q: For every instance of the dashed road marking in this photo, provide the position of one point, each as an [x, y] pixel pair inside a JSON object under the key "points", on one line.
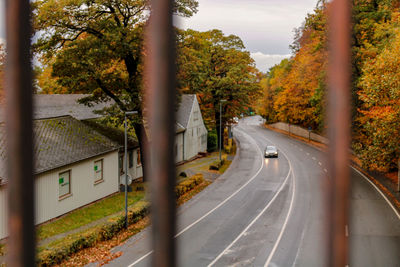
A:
{"points": [[314, 158], [325, 170], [320, 164], [308, 154], [346, 230]]}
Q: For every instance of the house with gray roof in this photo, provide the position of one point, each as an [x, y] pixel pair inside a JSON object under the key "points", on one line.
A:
{"points": [[193, 140], [74, 165]]}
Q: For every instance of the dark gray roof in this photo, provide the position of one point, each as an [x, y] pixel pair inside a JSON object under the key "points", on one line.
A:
{"points": [[61, 141], [185, 107], [50, 106], [115, 134]]}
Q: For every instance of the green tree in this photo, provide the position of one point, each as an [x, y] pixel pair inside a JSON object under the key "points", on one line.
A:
{"points": [[217, 67], [96, 47]]}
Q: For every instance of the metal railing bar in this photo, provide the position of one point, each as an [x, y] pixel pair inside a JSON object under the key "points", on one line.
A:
{"points": [[338, 121], [19, 135], [160, 105]]}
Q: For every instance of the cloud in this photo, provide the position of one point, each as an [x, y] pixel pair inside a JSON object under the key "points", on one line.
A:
{"points": [[264, 61], [263, 25]]}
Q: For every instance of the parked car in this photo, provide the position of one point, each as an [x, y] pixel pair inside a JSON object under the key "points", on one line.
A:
{"points": [[271, 151]]}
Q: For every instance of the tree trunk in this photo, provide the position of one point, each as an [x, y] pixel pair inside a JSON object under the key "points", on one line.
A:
{"points": [[143, 140]]}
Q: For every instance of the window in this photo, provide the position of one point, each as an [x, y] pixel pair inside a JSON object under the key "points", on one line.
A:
{"points": [[195, 115], [98, 171], [131, 159], [139, 160], [64, 184]]}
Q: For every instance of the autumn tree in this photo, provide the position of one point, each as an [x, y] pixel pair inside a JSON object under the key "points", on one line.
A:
{"points": [[217, 67], [294, 89], [379, 139], [96, 47]]}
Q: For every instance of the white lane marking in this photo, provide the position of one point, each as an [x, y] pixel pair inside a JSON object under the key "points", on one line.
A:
{"points": [[308, 154], [346, 230], [252, 222], [218, 206], [325, 170], [380, 192], [320, 164], [289, 212], [260, 214], [286, 221], [301, 149], [314, 158]]}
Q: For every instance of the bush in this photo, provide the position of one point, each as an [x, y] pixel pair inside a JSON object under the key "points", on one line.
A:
{"points": [[212, 141], [216, 165], [75, 243], [188, 184]]}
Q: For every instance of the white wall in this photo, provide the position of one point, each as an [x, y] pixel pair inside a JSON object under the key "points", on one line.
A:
{"points": [[83, 188], [195, 134], [299, 131], [179, 147], [3, 212]]}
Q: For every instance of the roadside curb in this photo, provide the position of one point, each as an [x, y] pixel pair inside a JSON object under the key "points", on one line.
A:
{"points": [[322, 147]]}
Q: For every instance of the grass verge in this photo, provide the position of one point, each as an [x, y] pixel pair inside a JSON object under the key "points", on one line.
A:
{"points": [[88, 214]]}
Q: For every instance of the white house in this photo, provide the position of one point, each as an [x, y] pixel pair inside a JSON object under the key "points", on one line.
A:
{"points": [[79, 161], [194, 138], [74, 166]]}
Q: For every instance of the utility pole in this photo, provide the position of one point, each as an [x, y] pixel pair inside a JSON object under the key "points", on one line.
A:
{"points": [[220, 127]]}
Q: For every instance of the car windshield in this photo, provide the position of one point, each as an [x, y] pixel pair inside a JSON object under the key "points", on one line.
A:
{"points": [[271, 148]]}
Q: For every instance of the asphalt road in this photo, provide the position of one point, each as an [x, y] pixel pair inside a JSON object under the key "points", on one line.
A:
{"points": [[270, 212]]}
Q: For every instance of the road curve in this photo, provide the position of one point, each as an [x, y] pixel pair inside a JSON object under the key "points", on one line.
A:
{"points": [[270, 212]]}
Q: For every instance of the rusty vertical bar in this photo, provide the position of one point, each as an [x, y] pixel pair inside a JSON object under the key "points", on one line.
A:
{"points": [[18, 78], [338, 121], [160, 103]]}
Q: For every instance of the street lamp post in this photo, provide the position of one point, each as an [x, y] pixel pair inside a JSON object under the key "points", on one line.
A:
{"points": [[220, 127], [126, 166]]}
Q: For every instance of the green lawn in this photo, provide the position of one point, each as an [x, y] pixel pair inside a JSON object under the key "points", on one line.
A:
{"points": [[86, 215]]}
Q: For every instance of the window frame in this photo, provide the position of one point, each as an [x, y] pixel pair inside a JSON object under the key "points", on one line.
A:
{"points": [[102, 172], [61, 197]]}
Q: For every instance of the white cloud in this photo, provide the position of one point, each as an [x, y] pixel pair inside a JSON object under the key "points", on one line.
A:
{"points": [[263, 25], [264, 62]]}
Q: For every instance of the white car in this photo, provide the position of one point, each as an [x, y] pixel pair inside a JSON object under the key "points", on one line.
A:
{"points": [[271, 151]]}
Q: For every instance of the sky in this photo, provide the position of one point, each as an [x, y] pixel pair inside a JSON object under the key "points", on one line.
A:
{"points": [[265, 26]]}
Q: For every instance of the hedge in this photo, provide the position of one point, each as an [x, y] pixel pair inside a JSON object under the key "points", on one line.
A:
{"points": [[106, 231], [188, 184], [216, 165], [74, 243], [212, 141]]}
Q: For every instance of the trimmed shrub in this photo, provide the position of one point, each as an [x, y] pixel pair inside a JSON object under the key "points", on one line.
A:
{"points": [[188, 184], [216, 165], [106, 231], [212, 141]]}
